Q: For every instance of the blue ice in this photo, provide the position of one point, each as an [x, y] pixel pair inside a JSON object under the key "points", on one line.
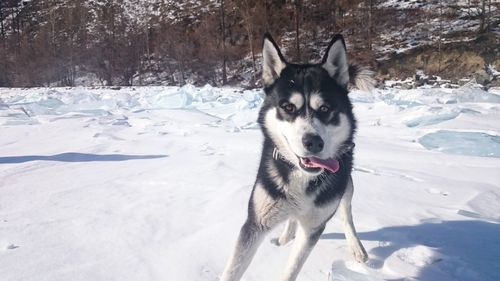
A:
{"points": [[462, 143]]}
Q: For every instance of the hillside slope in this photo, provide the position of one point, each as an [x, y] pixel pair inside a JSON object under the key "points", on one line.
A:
{"points": [[131, 42]]}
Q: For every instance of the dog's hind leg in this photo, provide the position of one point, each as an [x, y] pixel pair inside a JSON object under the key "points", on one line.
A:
{"points": [[287, 235], [357, 249], [305, 241]]}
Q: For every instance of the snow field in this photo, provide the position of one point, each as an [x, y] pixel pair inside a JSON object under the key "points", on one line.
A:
{"points": [[152, 183]]}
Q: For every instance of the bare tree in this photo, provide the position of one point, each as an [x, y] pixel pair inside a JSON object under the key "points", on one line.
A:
{"points": [[297, 13], [223, 38]]}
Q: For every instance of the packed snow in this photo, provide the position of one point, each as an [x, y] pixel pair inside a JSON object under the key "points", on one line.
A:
{"points": [[151, 183]]}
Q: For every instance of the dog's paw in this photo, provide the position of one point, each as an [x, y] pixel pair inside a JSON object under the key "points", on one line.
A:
{"points": [[275, 241], [359, 253]]}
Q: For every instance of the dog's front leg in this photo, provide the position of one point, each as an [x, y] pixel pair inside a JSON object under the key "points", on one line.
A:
{"points": [[251, 235], [305, 241], [357, 249], [264, 213]]}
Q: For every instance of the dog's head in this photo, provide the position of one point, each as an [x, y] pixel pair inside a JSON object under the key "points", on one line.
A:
{"points": [[307, 112]]}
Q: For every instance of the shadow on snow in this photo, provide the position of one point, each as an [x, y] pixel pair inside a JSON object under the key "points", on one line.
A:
{"points": [[467, 250], [76, 157]]}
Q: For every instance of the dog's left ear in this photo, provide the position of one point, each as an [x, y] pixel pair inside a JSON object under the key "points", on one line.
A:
{"points": [[335, 61]]}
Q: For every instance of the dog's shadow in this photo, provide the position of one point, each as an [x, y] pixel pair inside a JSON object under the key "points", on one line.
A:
{"points": [[466, 250], [76, 157]]}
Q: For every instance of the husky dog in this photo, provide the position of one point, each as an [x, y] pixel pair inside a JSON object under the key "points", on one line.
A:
{"points": [[306, 162]]}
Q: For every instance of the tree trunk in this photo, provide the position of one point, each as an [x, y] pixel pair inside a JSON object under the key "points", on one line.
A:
{"points": [[439, 37], [331, 12], [250, 42], [297, 30], [181, 69], [2, 29], [249, 29], [266, 16], [482, 17], [370, 12], [223, 35]]}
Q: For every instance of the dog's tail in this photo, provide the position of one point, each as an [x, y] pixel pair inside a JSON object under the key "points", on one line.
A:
{"points": [[361, 78]]}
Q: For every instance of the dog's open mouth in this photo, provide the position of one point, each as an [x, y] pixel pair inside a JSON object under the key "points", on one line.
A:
{"points": [[313, 164]]}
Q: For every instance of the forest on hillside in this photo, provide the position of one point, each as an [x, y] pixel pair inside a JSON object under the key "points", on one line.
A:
{"points": [[134, 42]]}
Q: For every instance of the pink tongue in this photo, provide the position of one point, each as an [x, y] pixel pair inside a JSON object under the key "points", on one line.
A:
{"points": [[330, 164]]}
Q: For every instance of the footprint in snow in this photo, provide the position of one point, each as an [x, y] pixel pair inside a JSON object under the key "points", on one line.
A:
{"points": [[209, 150], [437, 191], [387, 173], [9, 247], [208, 273], [411, 260], [12, 247], [107, 136], [352, 271]]}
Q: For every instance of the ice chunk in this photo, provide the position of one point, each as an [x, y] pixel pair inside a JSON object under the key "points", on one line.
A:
{"points": [[431, 119], [172, 100], [50, 102], [363, 96], [471, 93], [462, 143], [207, 93], [486, 204], [401, 102]]}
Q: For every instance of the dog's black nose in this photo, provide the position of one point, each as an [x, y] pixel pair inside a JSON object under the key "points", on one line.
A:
{"points": [[313, 143]]}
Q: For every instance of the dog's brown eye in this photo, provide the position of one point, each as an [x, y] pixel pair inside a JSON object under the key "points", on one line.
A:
{"points": [[324, 108], [288, 107]]}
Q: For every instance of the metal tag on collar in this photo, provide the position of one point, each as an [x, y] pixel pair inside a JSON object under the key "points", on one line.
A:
{"points": [[275, 153], [351, 146]]}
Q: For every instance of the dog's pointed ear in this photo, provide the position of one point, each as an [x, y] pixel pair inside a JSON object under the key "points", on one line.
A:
{"points": [[272, 61], [335, 61]]}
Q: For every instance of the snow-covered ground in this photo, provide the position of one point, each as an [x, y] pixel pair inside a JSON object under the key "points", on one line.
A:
{"points": [[152, 184], [429, 22]]}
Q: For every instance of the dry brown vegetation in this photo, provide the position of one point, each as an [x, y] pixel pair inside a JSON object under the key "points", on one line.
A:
{"points": [[54, 42]]}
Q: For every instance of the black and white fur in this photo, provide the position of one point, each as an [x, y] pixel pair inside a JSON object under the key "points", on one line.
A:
{"points": [[322, 125]]}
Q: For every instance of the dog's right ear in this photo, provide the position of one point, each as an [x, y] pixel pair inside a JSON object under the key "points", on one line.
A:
{"points": [[272, 61]]}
